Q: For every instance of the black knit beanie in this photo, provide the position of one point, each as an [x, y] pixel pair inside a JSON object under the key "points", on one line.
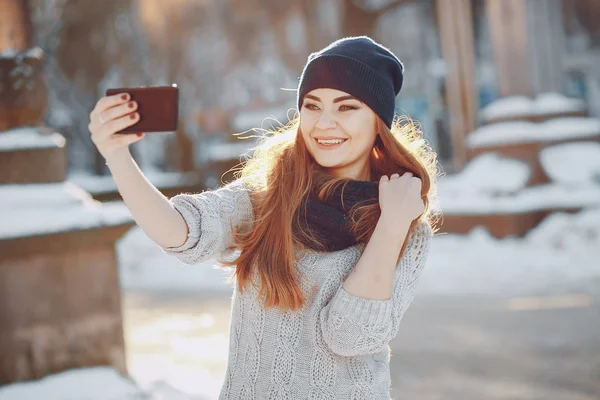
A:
{"points": [[358, 66]]}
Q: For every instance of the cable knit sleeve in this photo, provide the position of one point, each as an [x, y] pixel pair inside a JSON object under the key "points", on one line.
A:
{"points": [[209, 216], [354, 326]]}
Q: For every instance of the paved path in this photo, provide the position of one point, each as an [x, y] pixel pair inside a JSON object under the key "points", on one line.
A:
{"points": [[476, 349], [448, 348]]}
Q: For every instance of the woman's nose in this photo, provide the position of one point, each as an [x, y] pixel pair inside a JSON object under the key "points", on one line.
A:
{"points": [[325, 122]]}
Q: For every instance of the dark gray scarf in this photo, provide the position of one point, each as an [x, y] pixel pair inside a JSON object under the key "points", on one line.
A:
{"points": [[329, 220]]}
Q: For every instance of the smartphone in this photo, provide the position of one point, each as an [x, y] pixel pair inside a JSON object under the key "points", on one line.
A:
{"points": [[158, 107]]}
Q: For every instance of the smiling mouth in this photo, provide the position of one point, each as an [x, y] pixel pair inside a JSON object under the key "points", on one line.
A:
{"points": [[337, 142]]}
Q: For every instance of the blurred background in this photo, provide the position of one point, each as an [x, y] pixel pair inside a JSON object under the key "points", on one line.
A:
{"points": [[506, 91]]}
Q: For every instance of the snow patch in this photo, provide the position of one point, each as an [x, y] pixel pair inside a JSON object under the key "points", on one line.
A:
{"points": [[48, 195], [99, 383], [96, 184], [491, 184], [144, 266], [37, 209], [513, 132], [29, 138], [559, 255], [572, 163], [521, 106], [34, 52], [487, 173], [535, 198]]}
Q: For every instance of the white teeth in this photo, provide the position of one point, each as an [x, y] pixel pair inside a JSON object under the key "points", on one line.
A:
{"points": [[334, 141]]}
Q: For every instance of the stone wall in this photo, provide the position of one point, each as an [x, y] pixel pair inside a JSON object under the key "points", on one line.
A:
{"points": [[60, 303]]}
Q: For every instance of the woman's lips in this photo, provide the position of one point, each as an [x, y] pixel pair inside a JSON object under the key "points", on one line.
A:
{"points": [[330, 146]]}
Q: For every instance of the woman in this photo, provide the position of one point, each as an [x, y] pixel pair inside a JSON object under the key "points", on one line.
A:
{"points": [[332, 220]]}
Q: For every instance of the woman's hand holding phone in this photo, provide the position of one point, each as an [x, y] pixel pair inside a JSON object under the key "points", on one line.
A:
{"points": [[151, 209], [112, 114]]}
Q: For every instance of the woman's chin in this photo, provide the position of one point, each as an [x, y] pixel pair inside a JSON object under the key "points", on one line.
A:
{"points": [[328, 163]]}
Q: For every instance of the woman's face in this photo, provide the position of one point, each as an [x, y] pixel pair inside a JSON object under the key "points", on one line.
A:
{"points": [[333, 114]]}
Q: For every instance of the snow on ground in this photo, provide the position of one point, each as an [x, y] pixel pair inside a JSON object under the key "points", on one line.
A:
{"points": [[521, 106], [144, 266], [95, 383], [34, 52], [572, 163], [180, 372], [36, 209], [29, 138], [105, 183], [560, 254], [509, 176], [513, 132], [535, 198], [492, 184], [99, 383]]}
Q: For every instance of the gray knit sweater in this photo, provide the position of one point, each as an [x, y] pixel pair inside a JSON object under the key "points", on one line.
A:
{"points": [[336, 347]]}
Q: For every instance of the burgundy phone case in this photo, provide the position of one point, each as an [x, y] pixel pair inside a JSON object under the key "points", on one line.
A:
{"points": [[158, 107]]}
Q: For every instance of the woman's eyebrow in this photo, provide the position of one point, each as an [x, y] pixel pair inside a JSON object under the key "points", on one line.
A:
{"points": [[342, 98], [336, 100]]}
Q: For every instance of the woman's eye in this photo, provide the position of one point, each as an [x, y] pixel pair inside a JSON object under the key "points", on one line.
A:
{"points": [[311, 106], [346, 107]]}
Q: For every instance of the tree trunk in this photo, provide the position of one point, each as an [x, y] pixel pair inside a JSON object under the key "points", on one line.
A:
{"points": [[357, 21], [15, 25], [507, 21]]}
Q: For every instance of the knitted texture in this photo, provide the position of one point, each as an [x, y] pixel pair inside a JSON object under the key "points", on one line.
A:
{"points": [[329, 220], [335, 347]]}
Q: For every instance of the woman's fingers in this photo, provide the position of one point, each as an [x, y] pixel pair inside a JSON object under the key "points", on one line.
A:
{"points": [[116, 125], [118, 111], [385, 178], [108, 109], [120, 123], [112, 114], [107, 103]]}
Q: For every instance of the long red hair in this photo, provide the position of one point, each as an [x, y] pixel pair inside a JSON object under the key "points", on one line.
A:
{"points": [[282, 174]]}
